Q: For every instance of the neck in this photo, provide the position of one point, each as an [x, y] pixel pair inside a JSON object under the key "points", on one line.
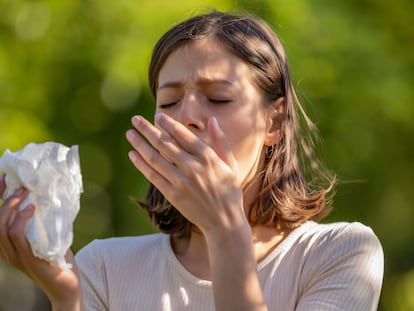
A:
{"points": [[193, 252]]}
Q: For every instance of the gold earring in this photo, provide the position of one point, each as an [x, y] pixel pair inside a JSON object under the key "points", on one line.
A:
{"points": [[270, 151]]}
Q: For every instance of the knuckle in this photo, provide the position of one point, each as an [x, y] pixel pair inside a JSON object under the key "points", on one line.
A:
{"points": [[199, 168], [11, 203], [158, 141], [173, 196], [16, 231], [13, 233], [151, 175], [175, 129], [161, 139], [181, 185], [207, 157], [152, 158]]}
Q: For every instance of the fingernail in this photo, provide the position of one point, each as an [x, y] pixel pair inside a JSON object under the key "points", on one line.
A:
{"points": [[136, 120], [130, 134], [157, 116]]}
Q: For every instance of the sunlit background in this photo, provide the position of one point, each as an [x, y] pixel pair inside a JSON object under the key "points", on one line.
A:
{"points": [[74, 71]]}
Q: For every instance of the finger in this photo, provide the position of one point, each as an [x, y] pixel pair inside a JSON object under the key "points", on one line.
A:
{"points": [[10, 206], [160, 140], [2, 184], [220, 143], [18, 241], [150, 156], [200, 154], [162, 152], [160, 182], [162, 172], [7, 217], [182, 135]]}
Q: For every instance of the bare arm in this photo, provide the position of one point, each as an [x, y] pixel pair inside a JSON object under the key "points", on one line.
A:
{"points": [[235, 281], [202, 182]]}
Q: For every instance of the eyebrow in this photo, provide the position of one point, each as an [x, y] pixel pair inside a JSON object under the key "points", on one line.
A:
{"points": [[200, 82]]}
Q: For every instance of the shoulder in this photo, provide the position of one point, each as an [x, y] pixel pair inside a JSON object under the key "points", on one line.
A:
{"points": [[328, 244], [339, 229], [341, 261], [322, 245], [342, 236], [116, 266], [344, 252], [122, 247]]}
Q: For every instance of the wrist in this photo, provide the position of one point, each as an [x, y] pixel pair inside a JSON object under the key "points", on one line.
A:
{"points": [[72, 302], [232, 239], [69, 305]]}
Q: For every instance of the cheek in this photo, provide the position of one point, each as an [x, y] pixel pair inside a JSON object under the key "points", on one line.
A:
{"points": [[246, 138]]}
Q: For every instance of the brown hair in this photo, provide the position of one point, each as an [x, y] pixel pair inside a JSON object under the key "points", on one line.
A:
{"points": [[289, 194]]}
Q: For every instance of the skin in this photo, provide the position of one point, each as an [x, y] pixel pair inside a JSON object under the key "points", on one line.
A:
{"points": [[62, 287], [211, 126]]}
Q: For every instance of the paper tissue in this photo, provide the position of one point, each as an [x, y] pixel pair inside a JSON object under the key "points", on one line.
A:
{"points": [[51, 173]]}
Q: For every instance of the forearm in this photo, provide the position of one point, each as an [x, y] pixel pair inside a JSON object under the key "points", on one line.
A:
{"points": [[71, 298], [233, 267]]}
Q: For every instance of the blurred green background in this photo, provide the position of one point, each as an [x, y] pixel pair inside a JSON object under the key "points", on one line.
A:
{"points": [[74, 71]]}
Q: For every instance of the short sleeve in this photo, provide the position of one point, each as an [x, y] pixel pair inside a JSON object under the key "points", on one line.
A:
{"points": [[344, 271], [93, 277]]}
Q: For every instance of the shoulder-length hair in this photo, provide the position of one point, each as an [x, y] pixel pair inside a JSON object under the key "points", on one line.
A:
{"points": [[295, 186]]}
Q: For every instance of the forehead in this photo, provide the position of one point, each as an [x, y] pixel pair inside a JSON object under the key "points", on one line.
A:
{"points": [[203, 59]]}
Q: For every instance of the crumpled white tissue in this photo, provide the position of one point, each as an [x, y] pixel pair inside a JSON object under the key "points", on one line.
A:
{"points": [[51, 173]]}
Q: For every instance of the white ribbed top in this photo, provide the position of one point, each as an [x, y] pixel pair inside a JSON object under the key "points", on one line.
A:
{"points": [[336, 266]]}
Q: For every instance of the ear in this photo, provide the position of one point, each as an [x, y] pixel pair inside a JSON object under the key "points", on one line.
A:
{"points": [[275, 119]]}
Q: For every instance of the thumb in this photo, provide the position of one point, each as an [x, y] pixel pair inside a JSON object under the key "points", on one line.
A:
{"points": [[2, 185]]}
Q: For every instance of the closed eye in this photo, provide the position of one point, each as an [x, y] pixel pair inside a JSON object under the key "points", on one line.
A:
{"points": [[219, 101], [165, 106]]}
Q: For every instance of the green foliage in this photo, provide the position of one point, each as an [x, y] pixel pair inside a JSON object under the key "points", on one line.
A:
{"points": [[75, 71]]}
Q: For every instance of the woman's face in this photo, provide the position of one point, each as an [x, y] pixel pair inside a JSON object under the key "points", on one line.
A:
{"points": [[204, 79]]}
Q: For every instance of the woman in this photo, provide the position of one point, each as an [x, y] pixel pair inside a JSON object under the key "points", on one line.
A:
{"points": [[232, 189]]}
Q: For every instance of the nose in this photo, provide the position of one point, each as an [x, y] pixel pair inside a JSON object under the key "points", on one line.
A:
{"points": [[190, 113]]}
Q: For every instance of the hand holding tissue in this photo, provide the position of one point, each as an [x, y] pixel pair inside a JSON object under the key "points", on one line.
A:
{"points": [[51, 173]]}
